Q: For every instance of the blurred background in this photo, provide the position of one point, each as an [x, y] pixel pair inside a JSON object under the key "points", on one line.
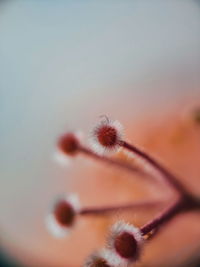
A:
{"points": [[64, 63]]}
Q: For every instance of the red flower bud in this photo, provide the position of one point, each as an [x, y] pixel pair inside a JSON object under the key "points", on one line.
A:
{"points": [[126, 241], [63, 215], [106, 136], [68, 144]]}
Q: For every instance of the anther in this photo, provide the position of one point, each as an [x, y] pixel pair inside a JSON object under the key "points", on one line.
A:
{"points": [[68, 144], [106, 136], [125, 240], [63, 215]]}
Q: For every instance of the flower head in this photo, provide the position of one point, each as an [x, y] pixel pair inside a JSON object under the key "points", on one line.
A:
{"points": [[102, 258], [125, 240], [106, 136], [68, 144], [62, 217]]}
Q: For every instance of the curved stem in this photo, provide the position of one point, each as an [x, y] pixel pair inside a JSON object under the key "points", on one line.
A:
{"points": [[169, 177], [113, 162], [163, 217]]}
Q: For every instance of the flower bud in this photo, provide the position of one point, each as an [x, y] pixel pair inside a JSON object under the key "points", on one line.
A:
{"points": [[125, 240], [68, 144], [102, 258], [106, 136], [62, 217]]}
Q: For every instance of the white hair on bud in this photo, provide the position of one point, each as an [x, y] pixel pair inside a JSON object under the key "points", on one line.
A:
{"points": [[53, 226], [121, 227], [62, 159], [97, 146], [73, 200], [104, 254]]}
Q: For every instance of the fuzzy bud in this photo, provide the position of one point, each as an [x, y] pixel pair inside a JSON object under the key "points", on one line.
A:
{"points": [[102, 258], [106, 136], [68, 144], [125, 240], [62, 217]]}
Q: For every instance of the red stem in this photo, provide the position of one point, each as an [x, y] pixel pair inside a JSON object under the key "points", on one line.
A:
{"points": [[184, 202], [170, 178], [105, 210], [111, 161], [162, 218]]}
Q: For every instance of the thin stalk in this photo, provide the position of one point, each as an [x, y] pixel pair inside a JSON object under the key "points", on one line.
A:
{"points": [[163, 217], [111, 209], [169, 177], [111, 161]]}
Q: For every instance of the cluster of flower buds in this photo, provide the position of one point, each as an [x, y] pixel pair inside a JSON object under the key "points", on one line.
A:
{"points": [[125, 241]]}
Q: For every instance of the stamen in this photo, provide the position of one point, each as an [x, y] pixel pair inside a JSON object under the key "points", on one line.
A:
{"points": [[69, 144], [105, 137], [126, 240], [62, 217]]}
